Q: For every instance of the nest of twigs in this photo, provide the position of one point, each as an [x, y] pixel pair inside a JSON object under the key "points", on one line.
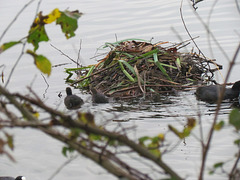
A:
{"points": [[141, 69]]}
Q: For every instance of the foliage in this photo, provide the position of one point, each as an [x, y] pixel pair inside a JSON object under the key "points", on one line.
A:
{"points": [[234, 119], [37, 33], [79, 131]]}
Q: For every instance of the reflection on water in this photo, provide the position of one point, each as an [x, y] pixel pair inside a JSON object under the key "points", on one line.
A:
{"points": [[101, 21]]}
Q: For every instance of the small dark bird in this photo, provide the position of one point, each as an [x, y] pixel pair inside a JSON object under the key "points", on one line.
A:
{"points": [[239, 99], [98, 97], [72, 101], [211, 93], [12, 178]]}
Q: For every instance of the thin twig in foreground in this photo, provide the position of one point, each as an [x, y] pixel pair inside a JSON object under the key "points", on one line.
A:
{"points": [[15, 65], [15, 18], [62, 166]]}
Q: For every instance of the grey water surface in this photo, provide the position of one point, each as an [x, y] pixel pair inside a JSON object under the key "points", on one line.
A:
{"points": [[39, 156]]}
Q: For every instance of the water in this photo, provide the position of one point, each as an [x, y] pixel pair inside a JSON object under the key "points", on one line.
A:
{"points": [[38, 156]]}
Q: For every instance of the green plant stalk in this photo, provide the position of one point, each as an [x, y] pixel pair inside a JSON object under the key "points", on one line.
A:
{"points": [[90, 71], [125, 72], [150, 53], [167, 65], [155, 58], [128, 66]]}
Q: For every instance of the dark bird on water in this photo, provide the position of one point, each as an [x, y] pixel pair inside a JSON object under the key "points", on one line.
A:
{"points": [[12, 178], [72, 101], [98, 97], [211, 93]]}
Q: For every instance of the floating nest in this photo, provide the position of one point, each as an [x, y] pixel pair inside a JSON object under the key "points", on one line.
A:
{"points": [[140, 69]]}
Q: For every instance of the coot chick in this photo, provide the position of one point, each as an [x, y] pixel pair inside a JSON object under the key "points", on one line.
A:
{"points": [[210, 93], [98, 97], [72, 101], [12, 178], [239, 99]]}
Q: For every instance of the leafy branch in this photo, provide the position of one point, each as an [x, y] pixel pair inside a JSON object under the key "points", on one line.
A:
{"points": [[37, 33]]}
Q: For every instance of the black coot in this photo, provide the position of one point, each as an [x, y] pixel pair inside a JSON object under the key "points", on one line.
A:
{"points": [[211, 93], [72, 101], [12, 178], [98, 97]]}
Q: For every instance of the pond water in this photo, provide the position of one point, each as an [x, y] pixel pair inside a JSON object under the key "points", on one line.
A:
{"points": [[38, 156]]}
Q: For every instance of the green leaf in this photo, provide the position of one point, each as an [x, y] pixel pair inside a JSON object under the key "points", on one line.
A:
{"points": [[37, 31], [234, 118], [178, 63], [237, 142], [36, 35], [186, 132], [150, 53], [155, 151], [7, 45], [167, 65], [68, 22], [66, 150], [219, 126], [42, 63], [9, 141], [74, 133], [155, 140], [143, 139], [218, 165]]}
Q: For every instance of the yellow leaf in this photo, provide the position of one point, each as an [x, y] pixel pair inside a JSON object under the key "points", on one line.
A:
{"points": [[52, 16], [42, 63], [161, 136], [86, 118], [219, 126]]}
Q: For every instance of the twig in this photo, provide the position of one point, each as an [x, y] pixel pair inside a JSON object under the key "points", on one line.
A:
{"points": [[212, 35], [231, 175], [45, 92], [79, 52], [68, 122], [62, 166], [65, 55], [37, 9], [15, 65], [15, 18], [207, 146], [189, 34], [93, 74], [208, 24], [62, 64], [238, 5]]}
